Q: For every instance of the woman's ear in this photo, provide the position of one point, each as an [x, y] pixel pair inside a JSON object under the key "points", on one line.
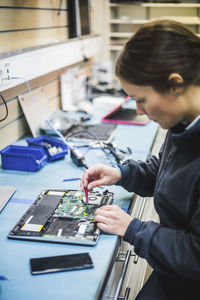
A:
{"points": [[175, 79]]}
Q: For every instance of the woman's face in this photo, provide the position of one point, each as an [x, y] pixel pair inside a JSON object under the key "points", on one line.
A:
{"points": [[165, 109]]}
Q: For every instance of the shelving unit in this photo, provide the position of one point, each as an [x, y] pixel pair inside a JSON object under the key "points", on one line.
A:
{"points": [[125, 18]]}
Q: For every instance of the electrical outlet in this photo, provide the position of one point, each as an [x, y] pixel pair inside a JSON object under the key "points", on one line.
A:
{"points": [[4, 72]]}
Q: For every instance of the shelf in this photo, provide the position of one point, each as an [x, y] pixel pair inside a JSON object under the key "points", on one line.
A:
{"points": [[120, 34], [154, 5], [186, 20], [116, 47], [128, 21], [125, 18], [123, 4], [175, 5]]}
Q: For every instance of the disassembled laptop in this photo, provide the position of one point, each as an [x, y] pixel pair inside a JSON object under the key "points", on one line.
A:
{"points": [[62, 216]]}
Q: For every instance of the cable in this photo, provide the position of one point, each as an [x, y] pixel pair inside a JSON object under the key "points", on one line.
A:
{"points": [[27, 83], [105, 147], [59, 9], [4, 101], [87, 132], [57, 132], [82, 131], [6, 107]]}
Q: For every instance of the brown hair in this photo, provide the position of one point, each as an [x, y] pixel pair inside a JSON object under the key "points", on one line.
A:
{"points": [[155, 51]]}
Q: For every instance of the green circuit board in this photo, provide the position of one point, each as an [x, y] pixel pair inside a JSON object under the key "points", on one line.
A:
{"points": [[74, 205]]}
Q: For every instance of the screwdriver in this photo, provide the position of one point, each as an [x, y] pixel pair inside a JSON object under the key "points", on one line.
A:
{"points": [[86, 195]]}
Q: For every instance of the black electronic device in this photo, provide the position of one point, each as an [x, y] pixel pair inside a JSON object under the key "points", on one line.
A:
{"points": [[82, 132], [59, 263], [84, 16], [79, 18], [62, 216], [91, 132]]}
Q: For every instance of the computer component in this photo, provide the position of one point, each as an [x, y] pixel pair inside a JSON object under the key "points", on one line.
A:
{"points": [[62, 216], [125, 113], [78, 158]]}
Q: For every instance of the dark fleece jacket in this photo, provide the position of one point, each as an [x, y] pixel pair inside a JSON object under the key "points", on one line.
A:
{"points": [[171, 247]]}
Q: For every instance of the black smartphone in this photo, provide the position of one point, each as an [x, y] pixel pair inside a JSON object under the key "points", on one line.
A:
{"points": [[61, 263]]}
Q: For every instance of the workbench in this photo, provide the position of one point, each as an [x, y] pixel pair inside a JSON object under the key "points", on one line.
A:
{"points": [[15, 254]]}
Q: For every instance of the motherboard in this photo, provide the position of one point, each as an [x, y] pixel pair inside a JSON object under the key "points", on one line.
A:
{"points": [[62, 216]]}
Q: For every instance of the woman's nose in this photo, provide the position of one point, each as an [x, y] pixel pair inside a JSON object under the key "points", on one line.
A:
{"points": [[140, 109]]}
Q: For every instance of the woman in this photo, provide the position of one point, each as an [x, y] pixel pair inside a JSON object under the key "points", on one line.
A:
{"points": [[160, 68]]}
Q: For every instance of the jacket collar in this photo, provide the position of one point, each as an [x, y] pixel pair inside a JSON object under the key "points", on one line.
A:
{"points": [[187, 137]]}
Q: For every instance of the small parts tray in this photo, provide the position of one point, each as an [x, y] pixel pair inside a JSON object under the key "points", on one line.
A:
{"points": [[23, 158], [54, 148]]}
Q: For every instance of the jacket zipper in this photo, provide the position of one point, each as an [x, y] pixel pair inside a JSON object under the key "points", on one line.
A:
{"points": [[170, 157], [171, 154]]}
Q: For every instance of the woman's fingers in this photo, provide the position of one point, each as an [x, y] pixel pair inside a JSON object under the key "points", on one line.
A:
{"points": [[99, 175], [113, 219]]}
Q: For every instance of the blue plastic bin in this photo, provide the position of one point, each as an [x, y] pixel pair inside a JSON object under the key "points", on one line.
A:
{"points": [[23, 158], [54, 147]]}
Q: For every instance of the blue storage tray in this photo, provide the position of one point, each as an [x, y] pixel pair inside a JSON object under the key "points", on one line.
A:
{"points": [[23, 158], [44, 141]]}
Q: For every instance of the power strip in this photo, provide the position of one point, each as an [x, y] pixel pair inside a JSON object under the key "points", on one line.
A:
{"points": [[4, 72]]}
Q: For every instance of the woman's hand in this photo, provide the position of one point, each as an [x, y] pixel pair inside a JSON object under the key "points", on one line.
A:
{"points": [[112, 219], [100, 175]]}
